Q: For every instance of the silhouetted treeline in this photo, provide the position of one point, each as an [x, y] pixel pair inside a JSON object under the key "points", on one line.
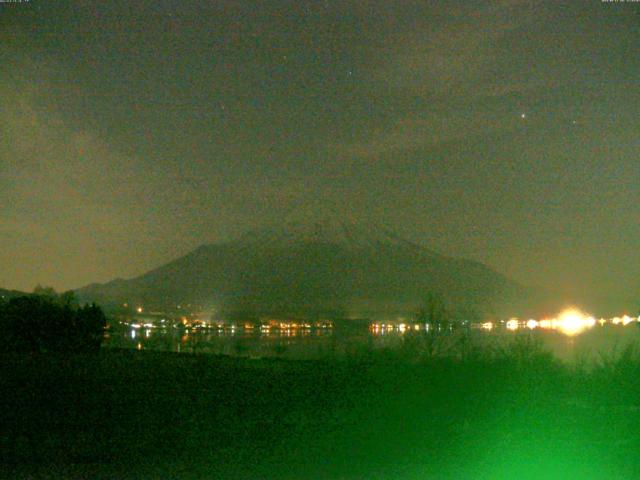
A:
{"points": [[47, 322]]}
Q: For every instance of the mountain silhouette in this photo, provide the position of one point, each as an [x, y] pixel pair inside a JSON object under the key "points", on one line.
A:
{"points": [[316, 267]]}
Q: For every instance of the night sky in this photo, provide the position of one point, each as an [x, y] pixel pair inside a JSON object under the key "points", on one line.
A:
{"points": [[506, 132]]}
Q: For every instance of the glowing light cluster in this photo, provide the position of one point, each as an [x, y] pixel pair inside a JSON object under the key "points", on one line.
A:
{"points": [[572, 321], [624, 320], [513, 324]]}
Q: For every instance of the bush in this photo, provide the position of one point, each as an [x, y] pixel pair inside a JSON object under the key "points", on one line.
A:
{"points": [[50, 323]]}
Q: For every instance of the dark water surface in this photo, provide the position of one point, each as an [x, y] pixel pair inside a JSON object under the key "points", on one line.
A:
{"points": [[594, 343]]}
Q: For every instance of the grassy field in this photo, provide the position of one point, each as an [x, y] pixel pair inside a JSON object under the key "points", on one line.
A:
{"points": [[126, 414]]}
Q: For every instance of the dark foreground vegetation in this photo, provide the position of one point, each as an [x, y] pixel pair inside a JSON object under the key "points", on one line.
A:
{"points": [[48, 322], [513, 414]]}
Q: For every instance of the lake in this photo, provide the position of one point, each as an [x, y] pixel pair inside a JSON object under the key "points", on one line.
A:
{"points": [[605, 339]]}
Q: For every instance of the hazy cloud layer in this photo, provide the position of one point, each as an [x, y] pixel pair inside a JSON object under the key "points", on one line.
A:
{"points": [[133, 132]]}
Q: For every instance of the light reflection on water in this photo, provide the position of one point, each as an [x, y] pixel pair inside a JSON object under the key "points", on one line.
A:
{"points": [[322, 343]]}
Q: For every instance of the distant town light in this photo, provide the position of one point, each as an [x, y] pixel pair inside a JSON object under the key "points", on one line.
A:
{"points": [[572, 321], [545, 323]]}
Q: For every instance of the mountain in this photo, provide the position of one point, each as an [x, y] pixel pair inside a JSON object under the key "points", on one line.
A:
{"points": [[318, 268]]}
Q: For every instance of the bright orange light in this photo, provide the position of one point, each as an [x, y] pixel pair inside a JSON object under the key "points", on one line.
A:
{"points": [[572, 322]]}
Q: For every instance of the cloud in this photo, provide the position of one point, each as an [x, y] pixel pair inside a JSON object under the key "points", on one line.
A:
{"points": [[65, 194], [448, 76], [452, 53], [426, 131]]}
